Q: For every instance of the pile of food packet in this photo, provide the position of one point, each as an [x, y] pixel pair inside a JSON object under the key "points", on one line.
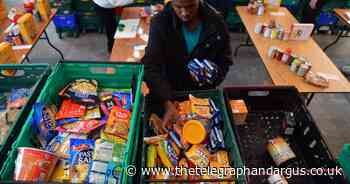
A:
{"points": [[10, 105], [194, 139], [203, 71], [88, 131]]}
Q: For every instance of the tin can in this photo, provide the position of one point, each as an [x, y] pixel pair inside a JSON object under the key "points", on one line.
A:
{"points": [[280, 151], [277, 179], [286, 55], [286, 35], [261, 10], [267, 32], [273, 34], [303, 69], [295, 65], [280, 34], [263, 27], [291, 58], [34, 165], [279, 54], [272, 52], [258, 28]]}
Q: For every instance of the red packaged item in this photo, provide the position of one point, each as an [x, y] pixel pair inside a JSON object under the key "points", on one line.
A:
{"points": [[70, 109], [118, 122]]}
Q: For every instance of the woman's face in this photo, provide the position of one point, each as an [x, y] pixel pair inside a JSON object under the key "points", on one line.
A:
{"points": [[186, 10]]}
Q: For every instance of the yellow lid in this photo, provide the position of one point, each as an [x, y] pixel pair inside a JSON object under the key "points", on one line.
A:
{"points": [[194, 132]]}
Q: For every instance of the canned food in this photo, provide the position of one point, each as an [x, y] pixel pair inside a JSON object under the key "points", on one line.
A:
{"points": [[267, 32], [272, 52], [303, 69], [279, 54], [295, 65], [34, 165], [273, 34], [280, 151], [291, 58], [286, 35], [258, 28], [280, 34]]}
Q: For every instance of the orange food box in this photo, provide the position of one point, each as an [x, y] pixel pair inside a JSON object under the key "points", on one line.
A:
{"points": [[44, 9], [7, 56], [3, 12], [239, 110]]}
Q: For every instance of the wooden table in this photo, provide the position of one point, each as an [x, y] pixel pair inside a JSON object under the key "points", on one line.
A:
{"points": [[123, 49], [22, 53], [279, 72], [344, 29]]}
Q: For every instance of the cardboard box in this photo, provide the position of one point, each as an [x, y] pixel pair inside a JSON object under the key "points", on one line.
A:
{"points": [[44, 9], [239, 110], [27, 27], [7, 56]]}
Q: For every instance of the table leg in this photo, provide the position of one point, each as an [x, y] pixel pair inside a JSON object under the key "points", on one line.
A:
{"points": [[335, 41], [26, 58], [247, 43], [46, 37], [309, 98]]}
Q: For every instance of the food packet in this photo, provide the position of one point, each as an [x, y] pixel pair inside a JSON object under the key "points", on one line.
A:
{"points": [[60, 144], [43, 122], [156, 124], [107, 104], [61, 172], [4, 127], [82, 91], [151, 156], [155, 139], [184, 108], [11, 115], [18, 98], [66, 121], [119, 153], [81, 151], [219, 159], [118, 123], [198, 155], [105, 173], [94, 113], [112, 138], [123, 99], [167, 154], [82, 127], [200, 106], [70, 109]]}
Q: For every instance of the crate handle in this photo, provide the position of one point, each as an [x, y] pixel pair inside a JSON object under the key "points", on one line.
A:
{"points": [[258, 93], [103, 70], [18, 73]]}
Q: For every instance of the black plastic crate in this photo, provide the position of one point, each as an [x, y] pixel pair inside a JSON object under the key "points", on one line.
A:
{"points": [[267, 107], [228, 133]]}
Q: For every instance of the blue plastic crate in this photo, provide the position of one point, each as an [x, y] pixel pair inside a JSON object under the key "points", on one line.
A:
{"points": [[65, 21], [326, 19]]}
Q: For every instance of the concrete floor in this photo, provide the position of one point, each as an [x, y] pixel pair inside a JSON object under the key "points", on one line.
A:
{"points": [[331, 111]]}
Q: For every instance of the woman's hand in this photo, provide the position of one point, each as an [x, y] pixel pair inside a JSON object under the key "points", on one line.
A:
{"points": [[170, 114]]}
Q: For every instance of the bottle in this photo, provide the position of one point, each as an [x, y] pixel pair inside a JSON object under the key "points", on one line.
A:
{"points": [[261, 8]]}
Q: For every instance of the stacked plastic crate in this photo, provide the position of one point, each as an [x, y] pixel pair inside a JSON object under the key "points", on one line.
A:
{"points": [[86, 15], [65, 19]]}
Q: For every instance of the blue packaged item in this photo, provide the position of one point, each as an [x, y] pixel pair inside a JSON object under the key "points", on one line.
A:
{"points": [[123, 99], [66, 121], [81, 152], [43, 122], [216, 139]]}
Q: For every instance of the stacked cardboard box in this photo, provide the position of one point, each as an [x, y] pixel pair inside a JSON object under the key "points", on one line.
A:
{"points": [[3, 11]]}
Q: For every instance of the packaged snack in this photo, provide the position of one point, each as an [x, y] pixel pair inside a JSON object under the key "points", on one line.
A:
{"points": [[66, 121], [280, 151], [118, 123], [200, 106], [103, 150], [175, 148], [82, 127], [81, 151], [167, 154], [104, 173], [220, 158], [44, 123], [119, 153], [198, 155], [18, 98], [151, 156], [107, 104], [60, 173], [94, 113], [70, 109], [82, 91], [184, 108], [60, 144], [176, 139], [216, 139], [112, 138], [11, 115], [156, 124], [123, 99], [155, 139], [34, 165]]}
